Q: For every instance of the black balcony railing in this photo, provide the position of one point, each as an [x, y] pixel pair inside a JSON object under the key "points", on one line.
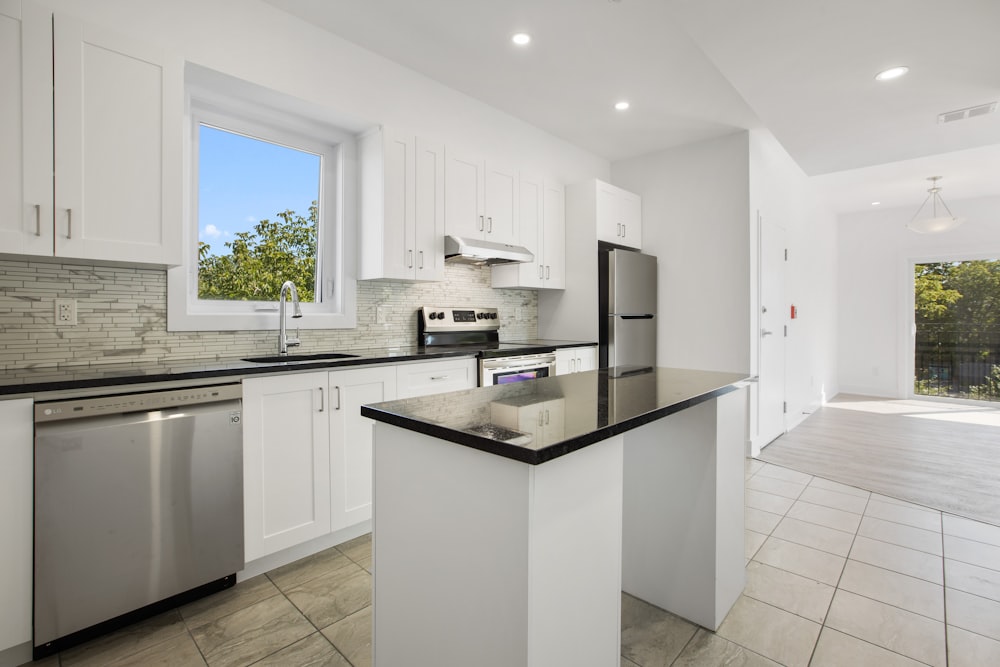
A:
{"points": [[957, 362]]}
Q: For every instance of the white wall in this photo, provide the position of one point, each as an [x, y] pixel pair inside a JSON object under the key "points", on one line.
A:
{"points": [[782, 193], [256, 42], [876, 254], [695, 200]]}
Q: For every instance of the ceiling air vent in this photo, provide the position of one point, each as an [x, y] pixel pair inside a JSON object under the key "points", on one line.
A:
{"points": [[969, 112]]}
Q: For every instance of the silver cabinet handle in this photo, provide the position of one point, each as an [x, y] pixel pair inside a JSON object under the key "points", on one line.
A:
{"points": [[572, 365], [546, 415], [439, 377], [481, 226], [765, 332], [541, 419], [337, 407], [489, 225], [620, 229], [411, 258], [624, 231], [322, 400], [69, 223], [38, 219], [547, 267], [421, 259]]}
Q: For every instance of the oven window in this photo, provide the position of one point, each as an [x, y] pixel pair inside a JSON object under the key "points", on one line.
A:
{"points": [[518, 376]]}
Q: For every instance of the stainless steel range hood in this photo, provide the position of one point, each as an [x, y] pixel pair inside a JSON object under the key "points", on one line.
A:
{"points": [[464, 250]]}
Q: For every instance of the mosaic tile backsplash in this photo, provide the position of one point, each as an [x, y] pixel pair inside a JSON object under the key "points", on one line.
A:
{"points": [[122, 316]]}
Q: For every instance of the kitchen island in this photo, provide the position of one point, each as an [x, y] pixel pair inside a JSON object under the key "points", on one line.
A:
{"points": [[508, 519]]}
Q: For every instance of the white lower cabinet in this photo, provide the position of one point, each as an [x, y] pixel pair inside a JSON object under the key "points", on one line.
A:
{"points": [[286, 461], [436, 377], [576, 359], [16, 484], [544, 421], [351, 440]]}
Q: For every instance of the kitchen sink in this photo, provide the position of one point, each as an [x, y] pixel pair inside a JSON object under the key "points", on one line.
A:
{"points": [[287, 358]]}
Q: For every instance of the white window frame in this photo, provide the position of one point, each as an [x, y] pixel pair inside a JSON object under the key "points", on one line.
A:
{"points": [[335, 307]]}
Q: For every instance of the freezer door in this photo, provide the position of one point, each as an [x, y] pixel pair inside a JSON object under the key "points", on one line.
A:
{"points": [[632, 341], [632, 283]]}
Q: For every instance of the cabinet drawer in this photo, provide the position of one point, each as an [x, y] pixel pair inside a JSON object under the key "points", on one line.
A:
{"points": [[435, 377]]}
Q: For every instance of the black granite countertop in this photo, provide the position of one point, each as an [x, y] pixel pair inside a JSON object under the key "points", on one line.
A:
{"points": [[32, 380], [539, 420]]}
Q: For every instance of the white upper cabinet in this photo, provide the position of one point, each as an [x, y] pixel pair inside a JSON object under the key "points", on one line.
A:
{"points": [[118, 132], [402, 207], [542, 221], [619, 215], [480, 198]]}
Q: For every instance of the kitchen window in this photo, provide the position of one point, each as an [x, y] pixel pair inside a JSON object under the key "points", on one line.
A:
{"points": [[269, 200]]}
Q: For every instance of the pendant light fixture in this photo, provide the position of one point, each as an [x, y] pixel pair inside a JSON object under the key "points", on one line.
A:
{"points": [[933, 223]]}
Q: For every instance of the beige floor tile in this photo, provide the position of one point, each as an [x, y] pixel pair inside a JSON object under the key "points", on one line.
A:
{"points": [[972, 552], [973, 613], [752, 466], [899, 559], [771, 632], [806, 597], [252, 633], [651, 636], [327, 599], [911, 516], [967, 649], [814, 535], [767, 501], [625, 662], [178, 651], [804, 561], [834, 499], [51, 661], [909, 593], [357, 549], [898, 501], [707, 648], [825, 516], [306, 569], [778, 487], [128, 641], [225, 602], [820, 483], [900, 534], [760, 521], [353, 637], [971, 530], [313, 651], [752, 542], [980, 581], [835, 649], [896, 629], [787, 474]]}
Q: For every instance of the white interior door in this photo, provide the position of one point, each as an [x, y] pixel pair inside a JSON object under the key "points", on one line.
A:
{"points": [[771, 332]]}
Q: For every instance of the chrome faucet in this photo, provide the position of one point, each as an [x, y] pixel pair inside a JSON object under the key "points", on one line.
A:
{"points": [[284, 342]]}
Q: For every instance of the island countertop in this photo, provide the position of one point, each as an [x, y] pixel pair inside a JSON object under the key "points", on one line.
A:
{"points": [[540, 420]]}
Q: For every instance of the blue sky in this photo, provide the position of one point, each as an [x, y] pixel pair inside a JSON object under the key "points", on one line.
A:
{"points": [[243, 180]]}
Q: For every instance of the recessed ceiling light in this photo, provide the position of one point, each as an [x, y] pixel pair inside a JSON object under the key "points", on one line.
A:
{"points": [[621, 106], [876, 203], [891, 73], [521, 39]]}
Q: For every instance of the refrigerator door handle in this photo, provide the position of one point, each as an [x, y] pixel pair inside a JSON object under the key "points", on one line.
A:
{"points": [[636, 317]]}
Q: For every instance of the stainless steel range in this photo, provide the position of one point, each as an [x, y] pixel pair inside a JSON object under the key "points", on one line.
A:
{"points": [[479, 329]]}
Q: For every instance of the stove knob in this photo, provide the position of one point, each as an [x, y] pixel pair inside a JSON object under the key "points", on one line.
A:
{"points": [[493, 315], [441, 315], [433, 316], [479, 316]]}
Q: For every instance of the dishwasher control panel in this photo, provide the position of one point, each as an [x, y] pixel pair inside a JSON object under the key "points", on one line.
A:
{"points": [[81, 408]]}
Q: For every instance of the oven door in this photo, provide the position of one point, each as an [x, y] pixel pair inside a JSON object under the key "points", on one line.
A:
{"points": [[516, 369]]}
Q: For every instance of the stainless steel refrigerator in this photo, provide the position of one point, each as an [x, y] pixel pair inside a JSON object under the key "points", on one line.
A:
{"points": [[627, 307]]}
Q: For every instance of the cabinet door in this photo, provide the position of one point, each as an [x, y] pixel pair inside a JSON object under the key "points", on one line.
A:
{"points": [[398, 234], [16, 484], [501, 203], [608, 222], [435, 377], [586, 358], [554, 241], [630, 213], [286, 461], [119, 132], [565, 360], [430, 210], [531, 224], [351, 439], [26, 130], [463, 193]]}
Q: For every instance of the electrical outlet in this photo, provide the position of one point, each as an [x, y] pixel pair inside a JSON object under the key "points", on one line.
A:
{"points": [[380, 314], [65, 312]]}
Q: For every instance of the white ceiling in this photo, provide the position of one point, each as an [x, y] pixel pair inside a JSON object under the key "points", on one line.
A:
{"points": [[697, 69]]}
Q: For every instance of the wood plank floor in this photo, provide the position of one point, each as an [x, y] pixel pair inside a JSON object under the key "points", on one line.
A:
{"points": [[940, 455]]}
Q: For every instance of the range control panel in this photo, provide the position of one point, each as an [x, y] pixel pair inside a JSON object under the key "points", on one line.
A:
{"points": [[444, 318], [80, 408]]}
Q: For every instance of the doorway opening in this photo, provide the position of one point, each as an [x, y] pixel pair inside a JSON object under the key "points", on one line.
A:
{"points": [[957, 329]]}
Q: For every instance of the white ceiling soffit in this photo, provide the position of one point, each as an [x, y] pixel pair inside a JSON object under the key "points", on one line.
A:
{"points": [[807, 69], [584, 56]]}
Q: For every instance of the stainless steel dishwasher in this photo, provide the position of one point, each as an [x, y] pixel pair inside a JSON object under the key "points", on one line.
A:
{"points": [[138, 507]]}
